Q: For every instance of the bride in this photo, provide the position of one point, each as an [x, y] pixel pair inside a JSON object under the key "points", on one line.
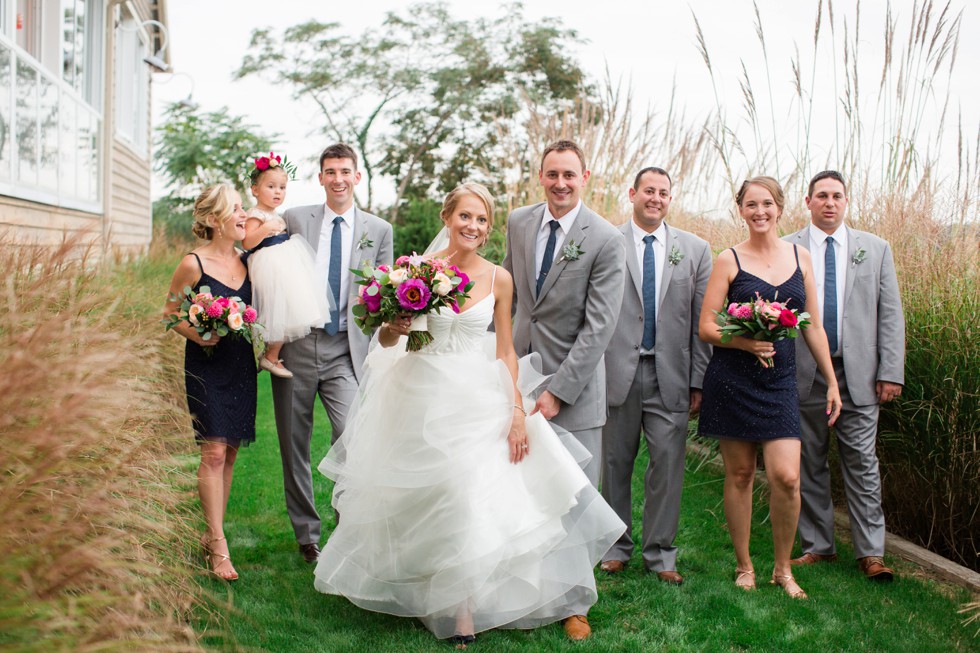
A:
{"points": [[456, 508]]}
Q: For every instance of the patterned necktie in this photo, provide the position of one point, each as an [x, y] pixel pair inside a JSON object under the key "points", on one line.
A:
{"points": [[830, 294], [549, 255], [649, 294], [333, 277]]}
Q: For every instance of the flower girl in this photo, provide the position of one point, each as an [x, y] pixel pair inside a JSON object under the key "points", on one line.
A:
{"points": [[285, 292]]}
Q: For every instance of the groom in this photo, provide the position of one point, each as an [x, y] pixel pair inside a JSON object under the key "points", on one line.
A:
{"points": [[328, 361], [568, 266]]}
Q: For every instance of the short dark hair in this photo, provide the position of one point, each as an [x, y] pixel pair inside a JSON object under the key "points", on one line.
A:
{"points": [[826, 174], [659, 171], [564, 146], [338, 151]]}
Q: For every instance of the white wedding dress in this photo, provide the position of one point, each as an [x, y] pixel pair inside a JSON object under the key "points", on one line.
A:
{"points": [[435, 519]]}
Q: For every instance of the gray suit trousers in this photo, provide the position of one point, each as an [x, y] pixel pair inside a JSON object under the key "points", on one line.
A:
{"points": [[665, 432], [856, 431], [321, 365]]}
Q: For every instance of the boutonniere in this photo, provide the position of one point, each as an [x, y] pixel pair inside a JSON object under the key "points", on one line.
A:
{"points": [[675, 256], [365, 242], [571, 252], [858, 257]]}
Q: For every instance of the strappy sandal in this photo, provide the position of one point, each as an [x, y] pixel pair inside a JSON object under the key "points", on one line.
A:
{"points": [[462, 641], [745, 579], [222, 559], [789, 585]]}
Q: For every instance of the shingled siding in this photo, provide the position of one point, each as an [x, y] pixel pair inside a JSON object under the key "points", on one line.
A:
{"points": [[129, 223]]}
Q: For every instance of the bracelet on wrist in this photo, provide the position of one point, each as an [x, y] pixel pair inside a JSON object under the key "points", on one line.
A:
{"points": [[523, 412]]}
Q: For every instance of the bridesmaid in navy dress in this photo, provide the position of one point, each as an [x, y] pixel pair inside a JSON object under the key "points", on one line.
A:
{"points": [[749, 394], [221, 385]]}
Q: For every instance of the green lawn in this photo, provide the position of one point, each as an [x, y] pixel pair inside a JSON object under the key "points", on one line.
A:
{"points": [[275, 607]]}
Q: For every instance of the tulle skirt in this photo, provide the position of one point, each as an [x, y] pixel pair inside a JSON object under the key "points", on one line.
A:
{"points": [[289, 300], [435, 519]]}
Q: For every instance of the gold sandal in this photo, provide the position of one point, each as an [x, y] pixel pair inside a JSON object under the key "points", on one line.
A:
{"points": [[222, 558], [788, 583], [745, 574]]}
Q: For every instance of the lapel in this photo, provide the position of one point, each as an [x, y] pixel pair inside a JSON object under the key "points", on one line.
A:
{"points": [[632, 267], [576, 235], [853, 244], [530, 241], [359, 229], [314, 223], [668, 269]]}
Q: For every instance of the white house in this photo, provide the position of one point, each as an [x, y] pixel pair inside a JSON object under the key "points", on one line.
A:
{"points": [[75, 139]]}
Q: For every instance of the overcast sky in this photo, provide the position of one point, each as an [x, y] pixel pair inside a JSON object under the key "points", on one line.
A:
{"points": [[648, 41]]}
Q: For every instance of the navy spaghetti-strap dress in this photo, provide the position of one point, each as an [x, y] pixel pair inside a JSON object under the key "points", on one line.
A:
{"points": [[221, 387], [741, 399]]}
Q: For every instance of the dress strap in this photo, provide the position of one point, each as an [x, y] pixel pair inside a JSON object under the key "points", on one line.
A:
{"points": [[199, 264], [796, 253], [737, 262], [493, 278]]}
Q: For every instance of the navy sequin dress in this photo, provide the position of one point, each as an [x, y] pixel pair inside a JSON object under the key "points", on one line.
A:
{"points": [[742, 400], [221, 388]]}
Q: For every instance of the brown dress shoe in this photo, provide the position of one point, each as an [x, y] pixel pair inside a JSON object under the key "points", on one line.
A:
{"points": [[874, 568], [310, 552], [612, 566], [577, 627], [670, 577], [813, 558]]}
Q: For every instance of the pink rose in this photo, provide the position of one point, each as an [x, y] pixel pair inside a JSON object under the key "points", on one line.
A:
{"points": [[214, 310], [733, 309], [233, 307], [402, 260], [372, 297], [262, 163], [787, 318], [777, 306], [223, 301], [384, 268], [203, 297], [249, 315]]}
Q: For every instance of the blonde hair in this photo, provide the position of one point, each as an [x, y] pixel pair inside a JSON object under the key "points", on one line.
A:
{"points": [[769, 184], [468, 188], [213, 206]]}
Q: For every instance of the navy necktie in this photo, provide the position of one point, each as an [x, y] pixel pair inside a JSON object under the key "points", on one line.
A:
{"points": [[333, 276], [649, 294], [830, 294], [549, 255]]}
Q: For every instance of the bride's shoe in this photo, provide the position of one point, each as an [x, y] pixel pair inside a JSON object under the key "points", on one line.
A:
{"points": [[462, 641], [789, 585], [745, 578], [275, 368], [223, 569]]}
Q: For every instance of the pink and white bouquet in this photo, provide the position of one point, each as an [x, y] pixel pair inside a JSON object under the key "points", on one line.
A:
{"points": [[413, 286], [215, 316], [761, 319]]}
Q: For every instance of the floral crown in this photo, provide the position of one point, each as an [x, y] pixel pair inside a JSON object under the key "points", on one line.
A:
{"points": [[260, 164]]}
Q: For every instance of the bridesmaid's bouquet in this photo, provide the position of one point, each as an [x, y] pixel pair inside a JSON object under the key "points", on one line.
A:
{"points": [[761, 319], [413, 285], [211, 316]]}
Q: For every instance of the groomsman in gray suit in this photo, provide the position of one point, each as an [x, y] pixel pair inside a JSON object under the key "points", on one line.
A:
{"points": [[328, 361], [654, 366], [862, 314], [568, 268]]}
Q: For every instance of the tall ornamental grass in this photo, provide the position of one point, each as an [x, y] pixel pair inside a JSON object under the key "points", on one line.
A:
{"points": [[94, 528]]}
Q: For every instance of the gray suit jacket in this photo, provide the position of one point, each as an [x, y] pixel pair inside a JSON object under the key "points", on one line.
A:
{"points": [[873, 331], [307, 222], [680, 355], [571, 322]]}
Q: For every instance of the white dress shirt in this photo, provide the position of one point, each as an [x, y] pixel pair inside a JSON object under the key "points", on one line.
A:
{"points": [[818, 252], [323, 256], [660, 257], [544, 230]]}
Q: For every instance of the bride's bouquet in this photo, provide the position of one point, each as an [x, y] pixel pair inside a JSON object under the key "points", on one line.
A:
{"points": [[211, 316], [414, 286], [761, 319]]}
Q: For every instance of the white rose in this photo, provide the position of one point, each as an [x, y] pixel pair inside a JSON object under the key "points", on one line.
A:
{"points": [[235, 322], [441, 284], [397, 276], [193, 312]]}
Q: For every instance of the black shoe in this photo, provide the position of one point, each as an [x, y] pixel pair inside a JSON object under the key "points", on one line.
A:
{"points": [[310, 552], [462, 641]]}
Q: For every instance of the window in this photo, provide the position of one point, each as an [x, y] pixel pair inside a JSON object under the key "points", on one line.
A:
{"points": [[28, 26], [132, 85], [80, 50]]}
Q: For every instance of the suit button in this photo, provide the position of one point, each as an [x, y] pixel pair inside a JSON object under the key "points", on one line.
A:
{"points": [[640, 317], [636, 347], [534, 320]]}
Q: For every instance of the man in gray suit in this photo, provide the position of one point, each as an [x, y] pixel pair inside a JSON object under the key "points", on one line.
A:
{"points": [[568, 268], [862, 314], [328, 361], [654, 368]]}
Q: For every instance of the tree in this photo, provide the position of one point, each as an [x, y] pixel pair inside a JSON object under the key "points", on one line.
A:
{"points": [[428, 99], [196, 148]]}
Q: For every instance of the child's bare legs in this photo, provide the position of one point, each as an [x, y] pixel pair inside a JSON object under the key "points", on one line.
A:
{"points": [[270, 361]]}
